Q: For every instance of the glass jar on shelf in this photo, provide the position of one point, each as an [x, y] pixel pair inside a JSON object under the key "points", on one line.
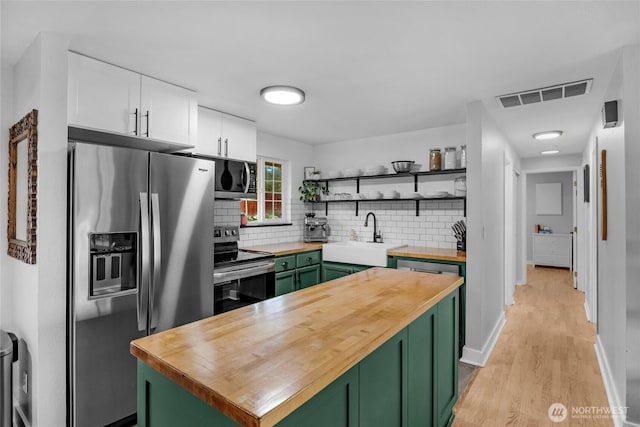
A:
{"points": [[463, 156], [449, 158], [435, 159]]}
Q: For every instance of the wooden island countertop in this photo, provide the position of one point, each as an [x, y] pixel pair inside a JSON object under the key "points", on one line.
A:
{"points": [[259, 363]]}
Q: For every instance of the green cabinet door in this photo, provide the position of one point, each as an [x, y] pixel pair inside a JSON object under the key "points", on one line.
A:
{"points": [[308, 276], [335, 271], [421, 370], [446, 358], [383, 385], [334, 406], [285, 282]]}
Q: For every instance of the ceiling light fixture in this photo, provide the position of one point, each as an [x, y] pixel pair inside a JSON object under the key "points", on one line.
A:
{"points": [[282, 95], [550, 152], [547, 135]]}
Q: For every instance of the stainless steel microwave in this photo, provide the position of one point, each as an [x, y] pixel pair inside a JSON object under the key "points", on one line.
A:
{"points": [[235, 179]]}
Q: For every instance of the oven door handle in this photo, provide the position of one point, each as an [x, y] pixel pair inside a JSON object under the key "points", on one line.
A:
{"points": [[241, 273]]}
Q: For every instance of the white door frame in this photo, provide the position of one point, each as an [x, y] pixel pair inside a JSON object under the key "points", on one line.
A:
{"points": [[523, 215], [510, 258]]}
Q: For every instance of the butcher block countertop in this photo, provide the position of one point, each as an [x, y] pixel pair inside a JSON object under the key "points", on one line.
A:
{"points": [[285, 248], [259, 363], [429, 253]]}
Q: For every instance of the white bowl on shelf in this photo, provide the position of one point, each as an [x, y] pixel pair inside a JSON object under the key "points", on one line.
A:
{"points": [[352, 172], [374, 170]]}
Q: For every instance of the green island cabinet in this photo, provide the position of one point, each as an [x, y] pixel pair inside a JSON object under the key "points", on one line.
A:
{"points": [[409, 381], [335, 270], [297, 271], [392, 262]]}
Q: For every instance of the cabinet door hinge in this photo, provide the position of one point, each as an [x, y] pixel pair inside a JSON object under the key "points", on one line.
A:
{"points": [[575, 274], [575, 229], [575, 183]]}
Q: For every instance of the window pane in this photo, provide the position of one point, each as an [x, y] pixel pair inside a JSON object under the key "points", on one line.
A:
{"points": [[277, 196], [277, 186], [277, 171], [277, 209], [268, 171], [268, 186]]}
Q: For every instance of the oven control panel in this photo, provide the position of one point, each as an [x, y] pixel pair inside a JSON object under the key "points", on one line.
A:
{"points": [[226, 233]]}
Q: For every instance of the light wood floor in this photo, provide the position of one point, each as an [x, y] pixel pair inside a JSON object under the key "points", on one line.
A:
{"points": [[544, 355]]}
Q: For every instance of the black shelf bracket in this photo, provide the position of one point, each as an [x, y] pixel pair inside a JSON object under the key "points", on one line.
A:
{"points": [[417, 207], [415, 183], [357, 208]]}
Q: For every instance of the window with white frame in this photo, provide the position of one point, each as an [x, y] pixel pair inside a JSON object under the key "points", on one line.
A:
{"points": [[272, 204]]}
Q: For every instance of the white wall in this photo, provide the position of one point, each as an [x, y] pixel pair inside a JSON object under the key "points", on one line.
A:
{"points": [[561, 224], [486, 147], [396, 219], [37, 292], [631, 117], [552, 162], [616, 292]]}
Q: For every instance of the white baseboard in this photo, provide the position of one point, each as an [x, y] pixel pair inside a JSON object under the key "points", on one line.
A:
{"points": [[587, 312], [607, 377], [480, 357]]}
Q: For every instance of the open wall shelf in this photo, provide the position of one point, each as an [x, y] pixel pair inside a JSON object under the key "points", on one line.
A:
{"points": [[415, 176]]}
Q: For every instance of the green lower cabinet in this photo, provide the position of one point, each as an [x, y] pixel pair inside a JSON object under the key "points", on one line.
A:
{"points": [[446, 358], [299, 271], [285, 282], [336, 270], [308, 276], [335, 406], [409, 381], [383, 385], [420, 363]]}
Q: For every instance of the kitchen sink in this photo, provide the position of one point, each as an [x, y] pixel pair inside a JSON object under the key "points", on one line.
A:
{"points": [[363, 253]]}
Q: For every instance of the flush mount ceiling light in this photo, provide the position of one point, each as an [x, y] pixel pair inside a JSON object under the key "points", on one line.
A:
{"points": [[282, 95], [547, 135], [550, 152]]}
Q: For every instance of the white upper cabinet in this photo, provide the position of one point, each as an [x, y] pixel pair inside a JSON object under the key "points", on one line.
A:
{"points": [[168, 112], [240, 138], [102, 96], [224, 135], [109, 98], [209, 132]]}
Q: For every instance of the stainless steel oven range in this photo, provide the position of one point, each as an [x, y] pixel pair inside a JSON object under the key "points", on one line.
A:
{"points": [[240, 277]]}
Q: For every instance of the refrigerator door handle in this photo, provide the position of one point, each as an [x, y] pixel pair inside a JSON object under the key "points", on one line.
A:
{"points": [[143, 284], [157, 257]]}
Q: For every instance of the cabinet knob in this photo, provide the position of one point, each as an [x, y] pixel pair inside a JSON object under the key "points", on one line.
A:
{"points": [[309, 259], [284, 264]]}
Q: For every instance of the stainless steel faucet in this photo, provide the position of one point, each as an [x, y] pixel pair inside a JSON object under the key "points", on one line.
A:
{"points": [[377, 238]]}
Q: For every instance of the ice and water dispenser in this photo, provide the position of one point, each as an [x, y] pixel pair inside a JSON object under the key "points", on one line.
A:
{"points": [[113, 263]]}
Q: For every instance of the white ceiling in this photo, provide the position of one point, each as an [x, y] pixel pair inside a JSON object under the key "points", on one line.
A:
{"points": [[368, 68]]}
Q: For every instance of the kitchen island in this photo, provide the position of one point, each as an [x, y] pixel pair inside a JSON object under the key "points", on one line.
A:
{"points": [[374, 348]]}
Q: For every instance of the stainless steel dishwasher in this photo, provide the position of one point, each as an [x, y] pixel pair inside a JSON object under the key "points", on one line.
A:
{"points": [[429, 267]]}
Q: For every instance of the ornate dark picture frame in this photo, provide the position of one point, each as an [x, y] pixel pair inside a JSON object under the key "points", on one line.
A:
{"points": [[25, 131]]}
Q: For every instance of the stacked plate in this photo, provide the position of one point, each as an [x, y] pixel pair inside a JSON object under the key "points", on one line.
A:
{"points": [[374, 170], [436, 194], [372, 195], [391, 195], [412, 196]]}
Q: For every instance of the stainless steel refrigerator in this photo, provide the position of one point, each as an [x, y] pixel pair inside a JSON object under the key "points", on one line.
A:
{"points": [[140, 261]]}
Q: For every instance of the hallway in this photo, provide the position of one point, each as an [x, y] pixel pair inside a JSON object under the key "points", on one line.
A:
{"points": [[544, 355]]}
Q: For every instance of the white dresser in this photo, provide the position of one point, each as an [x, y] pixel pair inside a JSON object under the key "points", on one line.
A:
{"points": [[552, 249]]}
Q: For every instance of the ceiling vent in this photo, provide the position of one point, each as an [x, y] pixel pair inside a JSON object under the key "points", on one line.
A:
{"points": [[565, 90]]}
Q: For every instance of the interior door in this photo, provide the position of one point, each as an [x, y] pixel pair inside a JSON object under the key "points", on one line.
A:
{"points": [[181, 198]]}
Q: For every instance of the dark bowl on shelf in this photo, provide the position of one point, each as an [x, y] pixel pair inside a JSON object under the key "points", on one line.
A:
{"points": [[402, 166]]}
